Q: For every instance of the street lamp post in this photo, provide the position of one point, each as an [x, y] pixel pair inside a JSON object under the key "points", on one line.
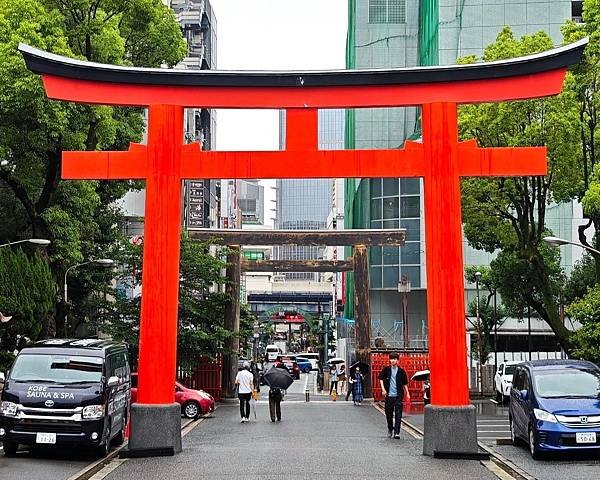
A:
{"points": [[42, 242], [106, 262], [479, 359]]}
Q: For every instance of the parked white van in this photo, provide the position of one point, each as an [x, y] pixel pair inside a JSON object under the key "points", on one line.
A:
{"points": [[272, 351]]}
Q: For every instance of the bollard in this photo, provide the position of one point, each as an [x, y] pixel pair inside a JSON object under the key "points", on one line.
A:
{"points": [[307, 395]]}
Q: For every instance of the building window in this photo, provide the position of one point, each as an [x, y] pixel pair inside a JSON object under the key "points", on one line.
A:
{"points": [[387, 11]]}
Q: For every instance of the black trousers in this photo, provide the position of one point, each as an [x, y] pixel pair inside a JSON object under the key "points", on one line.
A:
{"points": [[393, 406], [275, 408], [333, 385], [245, 404]]}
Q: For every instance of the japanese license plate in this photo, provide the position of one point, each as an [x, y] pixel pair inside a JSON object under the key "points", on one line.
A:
{"points": [[45, 438], [585, 437]]}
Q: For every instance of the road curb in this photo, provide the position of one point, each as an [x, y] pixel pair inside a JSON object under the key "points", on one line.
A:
{"points": [[95, 468]]}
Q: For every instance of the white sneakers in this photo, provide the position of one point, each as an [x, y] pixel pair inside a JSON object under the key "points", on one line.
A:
{"points": [[244, 420]]}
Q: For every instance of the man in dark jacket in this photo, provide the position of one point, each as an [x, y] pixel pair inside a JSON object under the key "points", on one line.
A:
{"points": [[394, 386]]}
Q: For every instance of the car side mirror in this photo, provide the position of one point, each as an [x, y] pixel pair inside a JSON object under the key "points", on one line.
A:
{"points": [[112, 382], [524, 394]]}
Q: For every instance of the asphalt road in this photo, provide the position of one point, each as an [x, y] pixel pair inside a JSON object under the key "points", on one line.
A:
{"points": [[492, 420], [492, 424], [314, 440], [45, 464], [575, 466]]}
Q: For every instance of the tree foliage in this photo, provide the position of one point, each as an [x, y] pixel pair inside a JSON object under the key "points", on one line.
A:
{"points": [[508, 214], [201, 327], [489, 316], [79, 217], [587, 338], [27, 293]]}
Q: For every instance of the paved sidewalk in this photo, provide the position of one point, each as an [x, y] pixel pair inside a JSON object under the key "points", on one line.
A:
{"points": [[314, 440]]}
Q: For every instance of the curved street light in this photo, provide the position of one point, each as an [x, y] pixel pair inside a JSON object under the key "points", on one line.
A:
{"points": [[105, 262], [557, 242], [42, 242]]}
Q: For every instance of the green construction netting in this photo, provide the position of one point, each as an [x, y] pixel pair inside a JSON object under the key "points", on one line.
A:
{"points": [[356, 212]]}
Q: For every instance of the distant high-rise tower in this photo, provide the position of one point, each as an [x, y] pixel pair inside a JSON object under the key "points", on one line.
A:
{"points": [[199, 27], [304, 204]]}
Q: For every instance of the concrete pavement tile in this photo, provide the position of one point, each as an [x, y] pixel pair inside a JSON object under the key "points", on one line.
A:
{"points": [[313, 440]]}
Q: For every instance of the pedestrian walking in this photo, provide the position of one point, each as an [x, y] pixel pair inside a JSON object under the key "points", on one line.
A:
{"points": [[357, 386], [333, 379], [394, 386], [275, 397], [342, 377], [245, 383]]}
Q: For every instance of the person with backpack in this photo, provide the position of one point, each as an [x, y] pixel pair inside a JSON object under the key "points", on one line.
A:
{"points": [[394, 386]]}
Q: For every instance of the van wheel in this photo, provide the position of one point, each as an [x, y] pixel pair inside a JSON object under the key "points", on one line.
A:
{"points": [[10, 448], [120, 437], [191, 410], [103, 449]]}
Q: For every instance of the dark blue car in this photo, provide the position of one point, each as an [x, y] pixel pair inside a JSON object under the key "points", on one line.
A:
{"points": [[304, 364], [555, 406]]}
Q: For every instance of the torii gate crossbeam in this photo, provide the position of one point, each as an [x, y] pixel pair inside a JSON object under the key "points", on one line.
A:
{"points": [[440, 160]]}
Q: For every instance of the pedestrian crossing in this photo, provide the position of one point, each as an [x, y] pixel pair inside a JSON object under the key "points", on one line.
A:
{"points": [[491, 429]]}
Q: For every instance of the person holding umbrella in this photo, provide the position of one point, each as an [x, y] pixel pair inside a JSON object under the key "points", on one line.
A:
{"points": [[278, 379]]}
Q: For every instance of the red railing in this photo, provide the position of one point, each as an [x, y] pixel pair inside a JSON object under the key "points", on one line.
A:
{"points": [[410, 362], [206, 375]]}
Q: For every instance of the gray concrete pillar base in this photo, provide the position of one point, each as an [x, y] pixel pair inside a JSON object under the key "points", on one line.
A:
{"points": [[450, 430], [155, 428]]}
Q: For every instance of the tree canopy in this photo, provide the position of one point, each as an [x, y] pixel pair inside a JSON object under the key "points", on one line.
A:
{"points": [[79, 217], [508, 214]]}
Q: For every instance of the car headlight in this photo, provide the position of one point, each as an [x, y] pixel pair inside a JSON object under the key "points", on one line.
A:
{"points": [[9, 409], [544, 416], [93, 411]]}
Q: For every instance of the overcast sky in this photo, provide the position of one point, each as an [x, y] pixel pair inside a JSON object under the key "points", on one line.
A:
{"points": [[273, 35]]}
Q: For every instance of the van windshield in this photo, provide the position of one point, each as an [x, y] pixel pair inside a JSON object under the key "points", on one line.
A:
{"points": [[56, 369], [568, 383]]}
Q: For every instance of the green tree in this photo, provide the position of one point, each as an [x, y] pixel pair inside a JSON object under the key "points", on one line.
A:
{"points": [[488, 317], [585, 85], [27, 293], [508, 215], [587, 338], [201, 329], [79, 217]]}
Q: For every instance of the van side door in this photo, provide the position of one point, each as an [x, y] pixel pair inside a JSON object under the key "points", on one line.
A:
{"points": [[118, 395]]}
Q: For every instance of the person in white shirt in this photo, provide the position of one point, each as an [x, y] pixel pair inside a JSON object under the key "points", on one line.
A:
{"points": [[245, 382]]}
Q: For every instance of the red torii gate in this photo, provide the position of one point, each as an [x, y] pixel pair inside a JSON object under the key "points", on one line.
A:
{"points": [[440, 159]]}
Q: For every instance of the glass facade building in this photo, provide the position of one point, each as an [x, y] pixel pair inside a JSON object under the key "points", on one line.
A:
{"points": [[407, 33]]}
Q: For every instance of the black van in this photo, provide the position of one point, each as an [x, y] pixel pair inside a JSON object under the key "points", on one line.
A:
{"points": [[67, 392]]}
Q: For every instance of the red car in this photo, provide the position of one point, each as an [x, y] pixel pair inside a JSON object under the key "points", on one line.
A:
{"points": [[290, 363], [193, 402]]}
